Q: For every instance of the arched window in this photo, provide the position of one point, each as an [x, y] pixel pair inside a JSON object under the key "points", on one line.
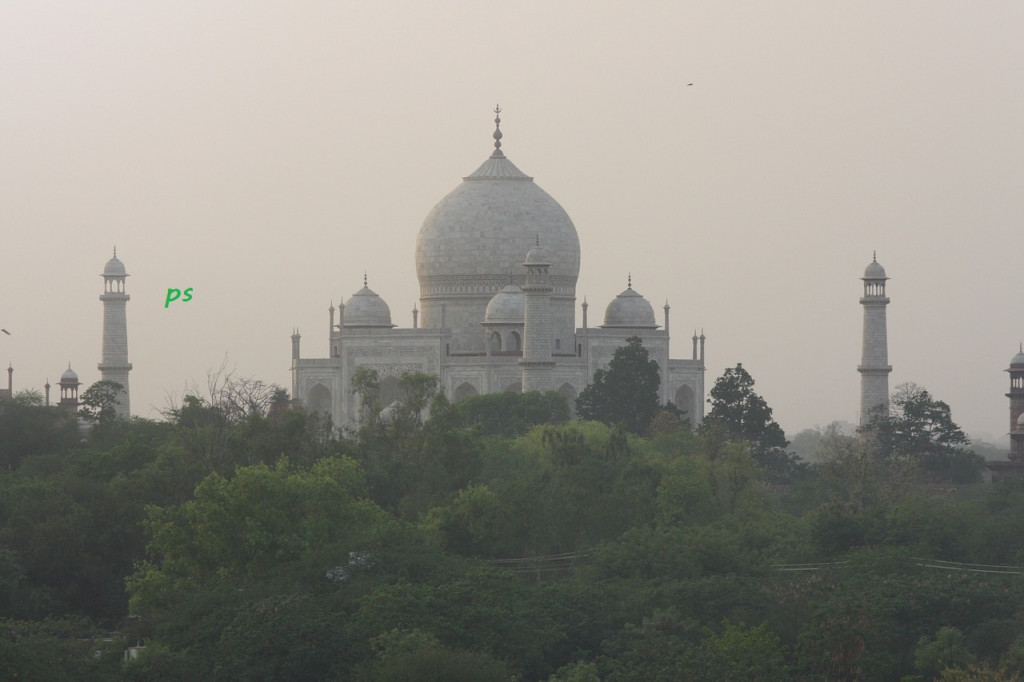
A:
{"points": [[464, 390], [495, 344], [318, 400], [514, 341], [685, 402], [569, 392], [388, 391]]}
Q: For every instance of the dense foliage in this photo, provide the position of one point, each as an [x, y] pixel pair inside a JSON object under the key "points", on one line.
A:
{"points": [[626, 394], [492, 540]]}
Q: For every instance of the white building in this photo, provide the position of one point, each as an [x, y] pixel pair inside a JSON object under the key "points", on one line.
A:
{"points": [[115, 366], [497, 261], [874, 366]]}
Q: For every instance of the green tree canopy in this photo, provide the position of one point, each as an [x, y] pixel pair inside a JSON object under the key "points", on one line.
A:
{"points": [[100, 401], [28, 428], [625, 394], [739, 412], [511, 414], [921, 429]]}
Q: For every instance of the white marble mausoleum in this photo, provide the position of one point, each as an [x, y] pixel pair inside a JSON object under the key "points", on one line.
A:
{"points": [[497, 261]]}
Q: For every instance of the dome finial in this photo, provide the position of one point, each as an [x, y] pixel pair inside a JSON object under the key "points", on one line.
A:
{"points": [[364, 279], [115, 252], [629, 281], [874, 256], [497, 129]]}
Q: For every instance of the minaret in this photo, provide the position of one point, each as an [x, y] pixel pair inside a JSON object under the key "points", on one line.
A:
{"points": [[1016, 396], [537, 363], [115, 365], [874, 365]]}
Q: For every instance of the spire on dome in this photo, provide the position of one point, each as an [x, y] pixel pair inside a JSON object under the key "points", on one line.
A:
{"points": [[629, 280], [874, 256], [364, 279], [497, 131], [115, 252]]}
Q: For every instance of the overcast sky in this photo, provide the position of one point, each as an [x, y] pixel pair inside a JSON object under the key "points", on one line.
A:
{"points": [[268, 153]]}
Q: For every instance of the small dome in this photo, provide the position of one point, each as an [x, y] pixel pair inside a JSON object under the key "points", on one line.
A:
{"points": [[508, 306], [69, 376], [1018, 359], [537, 256], [114, 268], [367, 309], [629, 310], [874, 270]]}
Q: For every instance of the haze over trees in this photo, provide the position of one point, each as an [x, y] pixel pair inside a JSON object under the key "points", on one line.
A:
{"points": [[498, 538]]}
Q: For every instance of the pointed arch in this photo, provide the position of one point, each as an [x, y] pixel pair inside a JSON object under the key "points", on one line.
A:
{"points": [[318, 400], [569, 391], [388, 390], [463, 391], [684, 400]]}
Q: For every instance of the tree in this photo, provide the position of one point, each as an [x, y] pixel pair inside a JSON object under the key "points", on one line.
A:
{"points": [[738, 411], [244, 397], [28, 428], [100, 401], [947, 650], [746, 654], [417, 655], [625, 394], [511, 414], [366, 385], [921, 429]]}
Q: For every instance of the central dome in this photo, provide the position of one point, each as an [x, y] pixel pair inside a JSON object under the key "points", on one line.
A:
{"points": [[473, 242], [482, 229]]}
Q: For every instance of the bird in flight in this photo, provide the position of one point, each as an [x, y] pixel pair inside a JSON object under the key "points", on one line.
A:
{"points": [[5, 332]]}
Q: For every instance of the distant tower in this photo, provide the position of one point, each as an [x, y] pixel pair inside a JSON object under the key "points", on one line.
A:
{"points": [[9, 391], [874, 365], [1016, 396], [69, 390], [537, 363], [115, 365]]}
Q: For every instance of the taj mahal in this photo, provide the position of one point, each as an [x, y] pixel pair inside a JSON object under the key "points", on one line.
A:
{"points": [[497, 261]]}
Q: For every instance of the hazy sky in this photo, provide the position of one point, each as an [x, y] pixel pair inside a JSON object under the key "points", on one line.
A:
{"points": [[267, 153]]}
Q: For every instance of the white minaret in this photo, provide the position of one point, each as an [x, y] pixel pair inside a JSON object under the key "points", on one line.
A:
{"points": [[874, 365], [537, 363], [115, 365]]}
